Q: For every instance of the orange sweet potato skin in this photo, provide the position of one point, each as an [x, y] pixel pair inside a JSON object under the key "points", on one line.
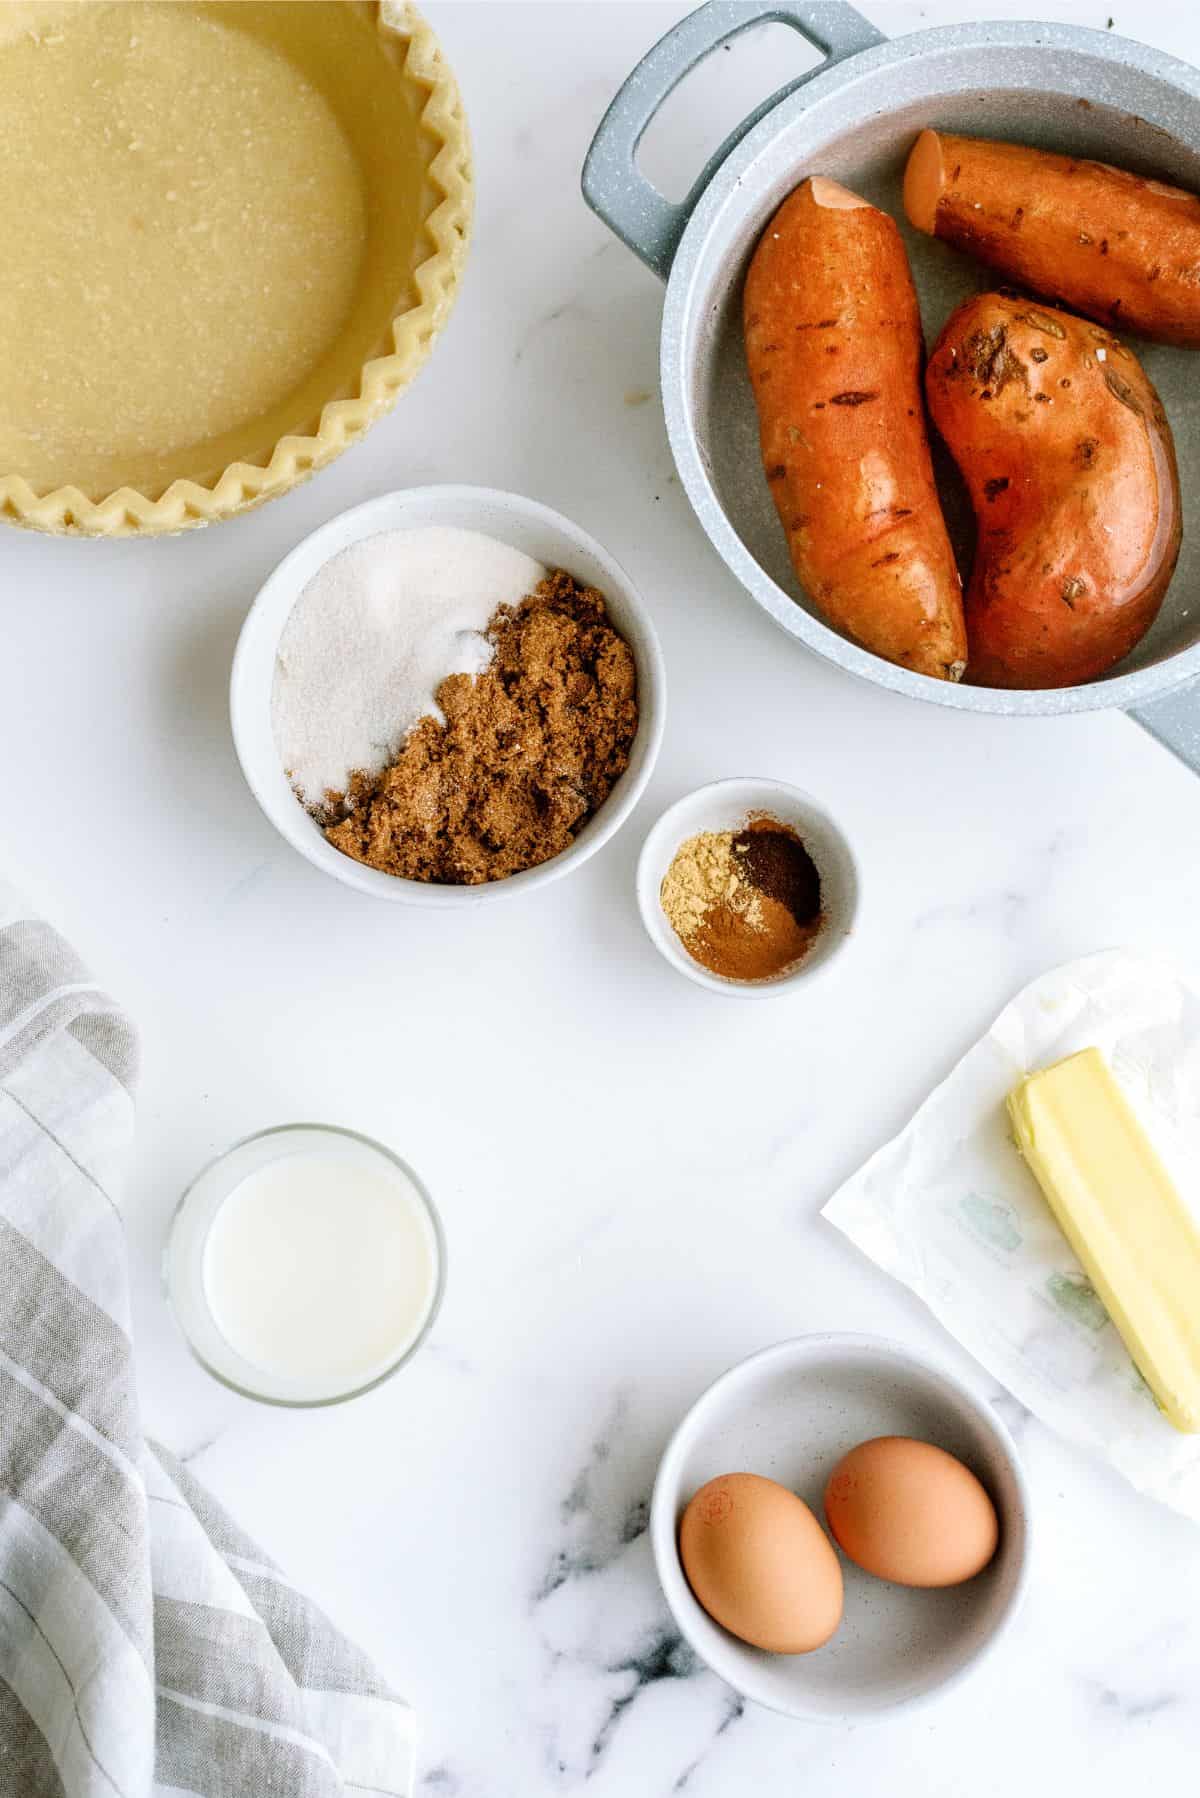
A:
{"points": [[833, 345], [1070, 465], [1117, 247]]}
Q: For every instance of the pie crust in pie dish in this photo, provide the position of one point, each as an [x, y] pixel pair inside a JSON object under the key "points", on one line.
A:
{"points": [[232, 231]]}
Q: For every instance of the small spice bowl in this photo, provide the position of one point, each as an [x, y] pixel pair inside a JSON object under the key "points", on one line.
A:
{"points": [[730, 805], [525, 525]]}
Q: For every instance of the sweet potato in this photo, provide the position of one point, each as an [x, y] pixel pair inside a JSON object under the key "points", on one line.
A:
{"points": [[1112, 245], [1070, 465], [833, 345]]}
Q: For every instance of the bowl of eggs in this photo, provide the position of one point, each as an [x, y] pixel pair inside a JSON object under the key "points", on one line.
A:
{"points": [[841, 1529]]}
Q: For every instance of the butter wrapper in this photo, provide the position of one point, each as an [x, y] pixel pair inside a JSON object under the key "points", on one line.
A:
{"points": [[949, 1208]]}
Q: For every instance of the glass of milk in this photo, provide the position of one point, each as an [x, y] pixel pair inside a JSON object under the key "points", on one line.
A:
{"points": [[305, 1265]]}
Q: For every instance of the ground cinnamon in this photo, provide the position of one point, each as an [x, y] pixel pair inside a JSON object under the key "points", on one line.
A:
{"points": [[528, 752]]}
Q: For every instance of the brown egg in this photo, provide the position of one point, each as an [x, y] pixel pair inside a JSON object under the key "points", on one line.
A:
{"points": [[911, 1513], [760, 1564]]}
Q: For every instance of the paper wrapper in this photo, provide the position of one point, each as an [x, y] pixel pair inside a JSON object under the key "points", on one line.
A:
{"points": [[950, 1209]]}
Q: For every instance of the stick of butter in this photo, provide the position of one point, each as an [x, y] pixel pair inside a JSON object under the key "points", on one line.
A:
{"points": [[1119, 1209]]}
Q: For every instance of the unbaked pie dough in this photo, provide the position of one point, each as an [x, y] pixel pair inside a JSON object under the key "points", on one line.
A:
{"points": [[212, 215]]}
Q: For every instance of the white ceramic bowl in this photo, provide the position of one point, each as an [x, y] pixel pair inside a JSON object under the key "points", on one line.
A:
{"points": [[791, 1412], [528, 526], [726, 805]]}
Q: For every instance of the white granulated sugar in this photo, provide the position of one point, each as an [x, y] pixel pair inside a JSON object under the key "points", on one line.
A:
{"points": [[371, 638]]}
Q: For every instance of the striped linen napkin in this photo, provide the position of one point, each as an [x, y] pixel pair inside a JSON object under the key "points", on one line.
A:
{"points": [[147, 1646]]}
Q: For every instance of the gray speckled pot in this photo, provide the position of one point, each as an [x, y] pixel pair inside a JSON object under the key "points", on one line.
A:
{"points": [[854, 118]]}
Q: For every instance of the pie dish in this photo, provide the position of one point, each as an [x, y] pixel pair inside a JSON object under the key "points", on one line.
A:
{"points": [[234, 261]]}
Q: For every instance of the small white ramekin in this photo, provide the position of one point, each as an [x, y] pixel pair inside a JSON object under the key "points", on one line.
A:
{"points": [[790, 1413], [726, 805], [526, 525]]}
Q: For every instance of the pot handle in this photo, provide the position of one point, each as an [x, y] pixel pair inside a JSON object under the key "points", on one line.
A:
{"points": [[1175, 721], [614, 188]]}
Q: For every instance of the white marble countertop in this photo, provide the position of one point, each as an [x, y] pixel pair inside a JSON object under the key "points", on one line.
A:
{"points": [[629, 1169]]}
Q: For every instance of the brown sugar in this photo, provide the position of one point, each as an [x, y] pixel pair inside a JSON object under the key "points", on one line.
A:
{"points": [[529, 750]]}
